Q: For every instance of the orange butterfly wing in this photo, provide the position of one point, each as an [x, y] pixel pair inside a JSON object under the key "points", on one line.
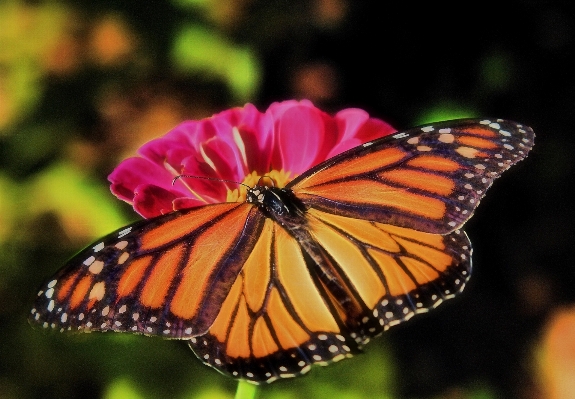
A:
{"points": [[277, 320], [372, 253], [260, 300], [282, 315], [429, 178], [165, 276]]}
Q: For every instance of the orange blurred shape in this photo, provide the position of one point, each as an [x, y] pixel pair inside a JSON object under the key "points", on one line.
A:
{"points": [[317, 82], [6, 106], [111, 41], [557, 356], [330, 13], [64, 56]]}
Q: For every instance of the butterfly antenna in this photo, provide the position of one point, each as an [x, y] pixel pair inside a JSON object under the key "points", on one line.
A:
{"points": [[207, 178]]}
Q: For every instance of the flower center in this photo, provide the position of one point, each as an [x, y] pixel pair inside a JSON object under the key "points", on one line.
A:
{"points": [[275, 178]]}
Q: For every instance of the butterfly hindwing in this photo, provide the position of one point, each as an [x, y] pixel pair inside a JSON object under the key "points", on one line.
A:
{"points": [[280, 318], [277, 320], [392, 272], [429, 178]]}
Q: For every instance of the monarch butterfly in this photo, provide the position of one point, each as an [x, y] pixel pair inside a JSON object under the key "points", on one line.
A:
{"points": [[300, 275]]}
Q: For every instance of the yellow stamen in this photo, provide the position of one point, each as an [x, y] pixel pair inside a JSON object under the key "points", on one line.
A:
{"points": [[275, 178]]}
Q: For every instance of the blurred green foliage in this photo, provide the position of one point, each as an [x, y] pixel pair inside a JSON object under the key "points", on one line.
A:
{"points": [[25, 36], [199, 50], [444, 112]]}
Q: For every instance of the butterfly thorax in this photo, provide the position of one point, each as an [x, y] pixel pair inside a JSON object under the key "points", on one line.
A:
{"points": [[279, 204]]}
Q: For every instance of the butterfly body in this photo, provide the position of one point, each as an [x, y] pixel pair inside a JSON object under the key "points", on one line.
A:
{"points": [[300, 275], [279, 204]]}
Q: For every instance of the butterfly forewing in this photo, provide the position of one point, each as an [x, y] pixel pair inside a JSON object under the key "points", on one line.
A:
{"points": [[164, 276], [429, 178]]}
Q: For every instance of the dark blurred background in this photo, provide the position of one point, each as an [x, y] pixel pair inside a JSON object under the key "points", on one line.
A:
{"points": [[84, 83]]}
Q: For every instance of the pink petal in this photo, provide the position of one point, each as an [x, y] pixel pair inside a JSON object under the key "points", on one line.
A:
{"points": [[373, 129], [185, 203], [343, 146], [226, 158], [330, 138], [291, 135], [277, 109], [252, 149], [206, 190], [349, 121], [354, 122], [150, 200], [257, 134], [133, 172], [299, 133], [164, 150]]}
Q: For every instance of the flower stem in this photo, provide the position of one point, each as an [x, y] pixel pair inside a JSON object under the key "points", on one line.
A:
{"points": [[246, 390]]}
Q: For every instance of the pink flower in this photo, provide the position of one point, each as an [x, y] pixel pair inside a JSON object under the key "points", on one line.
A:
{"points": [[237, 145]]}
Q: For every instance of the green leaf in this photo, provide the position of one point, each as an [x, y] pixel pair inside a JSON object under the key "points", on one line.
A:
{"points": [[202, 51]]}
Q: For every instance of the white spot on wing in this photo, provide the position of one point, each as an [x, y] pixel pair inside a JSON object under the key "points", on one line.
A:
{"points": [[99, 247], [122, 233], [89, 261]]}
